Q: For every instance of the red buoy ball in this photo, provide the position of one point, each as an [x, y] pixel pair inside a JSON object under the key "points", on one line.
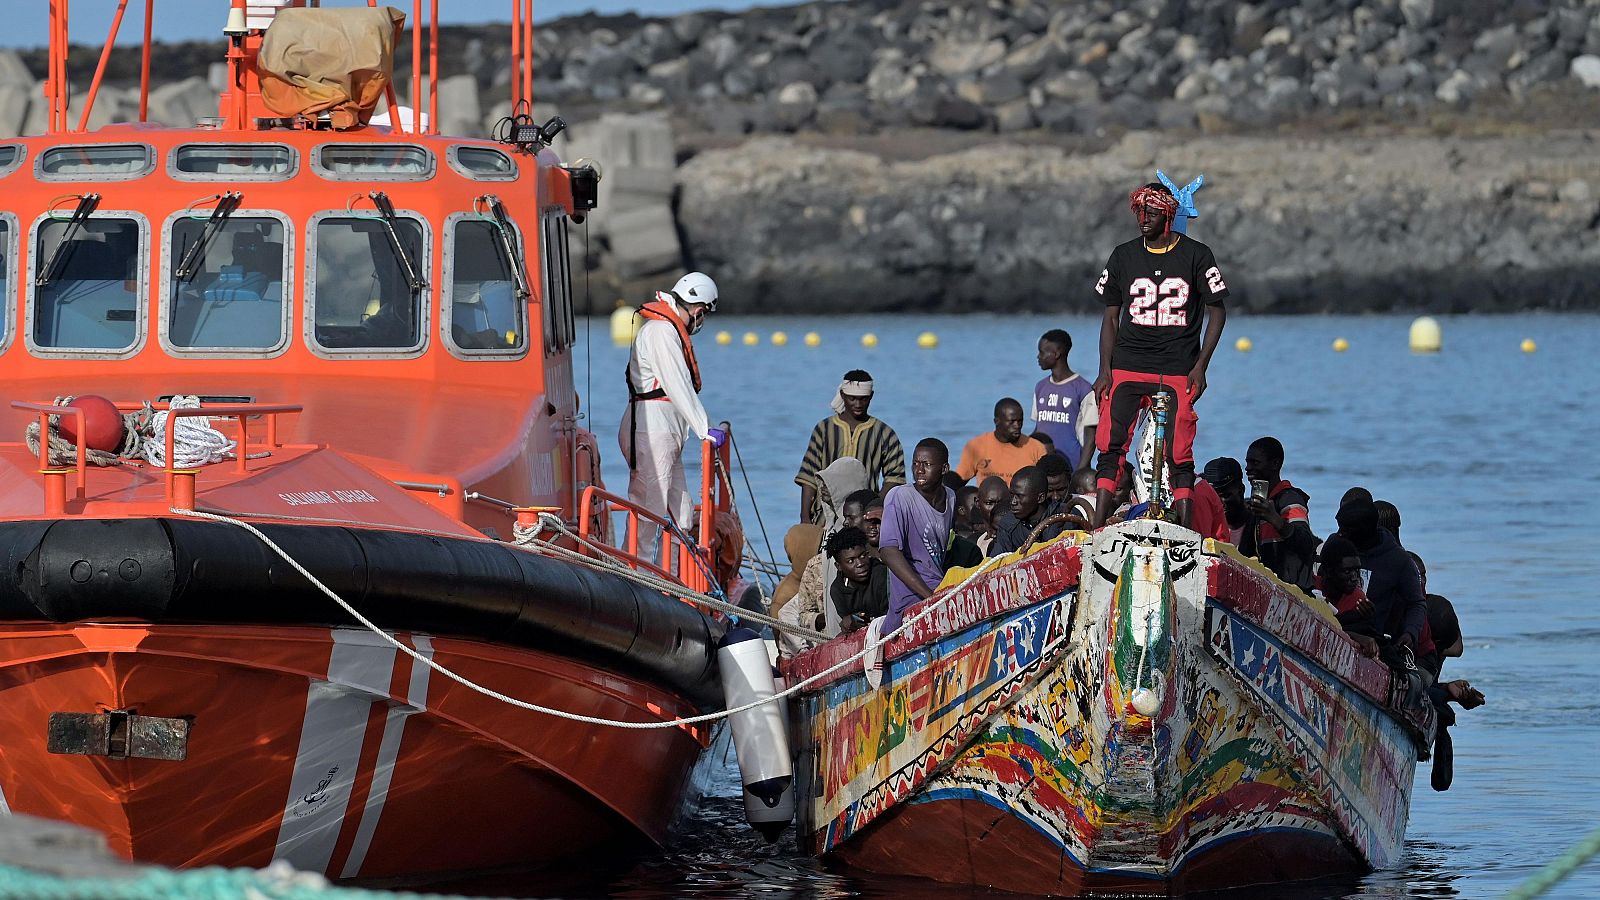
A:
{"points": [[102, 423]]}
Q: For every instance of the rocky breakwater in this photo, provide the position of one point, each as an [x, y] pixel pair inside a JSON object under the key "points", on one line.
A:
{"points": [[1082, 67], [1298, 224]]}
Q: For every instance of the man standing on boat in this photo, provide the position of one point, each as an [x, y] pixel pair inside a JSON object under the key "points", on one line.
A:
{"points": [[850, 431], [1063, 402], [664, 399], [1156, 289]]}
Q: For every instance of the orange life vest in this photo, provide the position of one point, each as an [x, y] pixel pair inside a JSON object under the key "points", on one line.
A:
{"points": [[663, 311]]}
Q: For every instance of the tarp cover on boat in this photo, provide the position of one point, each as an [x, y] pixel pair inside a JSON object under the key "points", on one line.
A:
{"points": [[334, 60]]}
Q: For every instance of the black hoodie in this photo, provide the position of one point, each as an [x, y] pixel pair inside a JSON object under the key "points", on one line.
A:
{"points": [[1395, 589]]}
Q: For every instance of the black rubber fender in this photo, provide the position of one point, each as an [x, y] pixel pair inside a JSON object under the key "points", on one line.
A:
{"points": [[185, 570]]}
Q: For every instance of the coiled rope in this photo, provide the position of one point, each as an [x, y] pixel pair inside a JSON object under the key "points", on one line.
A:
{"points": [[194, 442], [560, 713], [135, 432]]}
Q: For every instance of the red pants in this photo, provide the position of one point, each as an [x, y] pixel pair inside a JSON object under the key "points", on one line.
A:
{"points": [[1131, 392]]}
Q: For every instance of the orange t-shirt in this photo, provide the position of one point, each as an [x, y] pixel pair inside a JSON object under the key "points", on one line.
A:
{"points": [[984, 456]]}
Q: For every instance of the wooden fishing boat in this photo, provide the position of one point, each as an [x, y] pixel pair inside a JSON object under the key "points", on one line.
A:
{"points": [[1137, 711], [354, 307]]}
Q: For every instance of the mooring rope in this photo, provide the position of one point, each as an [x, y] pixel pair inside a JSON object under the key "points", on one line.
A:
{"points": [[564, 714]]}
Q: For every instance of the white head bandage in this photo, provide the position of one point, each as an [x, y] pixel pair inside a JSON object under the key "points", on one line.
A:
{"points": [[852, 389]]}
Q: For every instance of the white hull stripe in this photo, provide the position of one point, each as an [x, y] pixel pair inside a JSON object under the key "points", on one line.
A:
{"points": [[394, 724], [5, 808], [360, 669]]}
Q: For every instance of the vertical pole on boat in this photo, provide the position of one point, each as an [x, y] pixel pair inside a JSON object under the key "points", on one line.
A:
{"points": [[433, 67], [396, 124], [55, 491], [516, 55], [527, 55], [1160, 412], [100, 68], [418, 96], [144, 62], [236, 60], [56, 89]]}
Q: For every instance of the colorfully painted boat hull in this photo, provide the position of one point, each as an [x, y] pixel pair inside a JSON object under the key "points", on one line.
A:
{"points": [[1003, 747], [332, 750]]}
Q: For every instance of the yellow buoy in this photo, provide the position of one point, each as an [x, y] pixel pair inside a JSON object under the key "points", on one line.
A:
{"points": [[1528, 346], [813, 339], [779, 339], [624, 324], [927, 340], [751, 339], [1425, 337], [1243, 345], [724, 338], [1340, 345], [869, 340]]}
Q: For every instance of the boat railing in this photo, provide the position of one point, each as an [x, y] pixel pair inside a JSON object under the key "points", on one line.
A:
{"points": [[180, 483], [676, 557]]}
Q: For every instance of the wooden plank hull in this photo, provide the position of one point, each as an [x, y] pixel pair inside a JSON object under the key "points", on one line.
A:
{"points": [[1004, 748], [330, 749]]}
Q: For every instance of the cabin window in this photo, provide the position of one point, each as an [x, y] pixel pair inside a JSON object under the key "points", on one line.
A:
{"points": [[483, 163], [225, 287], [484, 311], [10, 159], [97, 162], [233, 162], [87, 284], [559, 329], [372, 162], [368, 285]]}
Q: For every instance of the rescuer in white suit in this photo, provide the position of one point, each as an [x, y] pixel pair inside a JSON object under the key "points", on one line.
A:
{"points": [[664, 400]]}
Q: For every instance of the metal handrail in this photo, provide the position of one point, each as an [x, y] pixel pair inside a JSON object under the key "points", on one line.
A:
{"points": [[716, 497]]}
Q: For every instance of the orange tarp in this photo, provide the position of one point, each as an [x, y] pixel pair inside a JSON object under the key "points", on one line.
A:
{"points": [[335, 60]]}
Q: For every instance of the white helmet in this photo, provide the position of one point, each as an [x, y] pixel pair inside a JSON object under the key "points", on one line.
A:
{"points": [[697, 287]]}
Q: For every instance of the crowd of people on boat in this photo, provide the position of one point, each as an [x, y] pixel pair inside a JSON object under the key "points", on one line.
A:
{"points": [[876, 535]]}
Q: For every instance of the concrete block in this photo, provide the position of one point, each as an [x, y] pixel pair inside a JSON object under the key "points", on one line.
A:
{"points": [[14, 102], [58, 848], [643, 241], [459, 110], [633, 188], [183, 103], [12, 70]]}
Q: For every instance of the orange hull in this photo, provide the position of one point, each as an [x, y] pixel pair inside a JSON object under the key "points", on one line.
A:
{"points": [[331, 750]]}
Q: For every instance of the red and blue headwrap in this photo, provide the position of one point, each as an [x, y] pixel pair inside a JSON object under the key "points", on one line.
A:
{"points": [[1156, 199]]}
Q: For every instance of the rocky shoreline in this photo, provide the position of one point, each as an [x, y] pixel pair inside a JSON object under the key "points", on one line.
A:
{"points": [[875, 155], [1342, 224]]}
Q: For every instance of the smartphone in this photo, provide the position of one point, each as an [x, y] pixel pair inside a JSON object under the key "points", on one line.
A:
{"points": [[1259, 488]]}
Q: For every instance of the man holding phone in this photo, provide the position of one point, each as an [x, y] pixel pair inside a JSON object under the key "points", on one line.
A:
{"points": [[1279, 532]]}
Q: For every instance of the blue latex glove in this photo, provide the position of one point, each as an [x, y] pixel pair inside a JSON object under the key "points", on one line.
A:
{"points": [[1185, 198], [717, 437]]}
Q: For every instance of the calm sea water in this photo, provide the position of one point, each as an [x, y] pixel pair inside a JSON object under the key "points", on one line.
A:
{"points": [[1487, 451]]}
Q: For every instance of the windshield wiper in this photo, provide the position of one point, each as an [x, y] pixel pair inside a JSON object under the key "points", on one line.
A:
{"points": [[58, 258], [503, 229], [386, 210], [189, 266]]}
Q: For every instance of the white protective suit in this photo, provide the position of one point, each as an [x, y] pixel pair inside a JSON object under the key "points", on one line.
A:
{"points": [[657, 481]]}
